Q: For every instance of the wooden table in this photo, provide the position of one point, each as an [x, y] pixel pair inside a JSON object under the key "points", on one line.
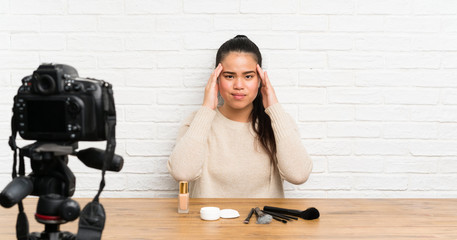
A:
{"points": [[340, 219]]}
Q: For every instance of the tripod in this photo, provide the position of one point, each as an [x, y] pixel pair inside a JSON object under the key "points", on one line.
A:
{"points": [[53, 182]]}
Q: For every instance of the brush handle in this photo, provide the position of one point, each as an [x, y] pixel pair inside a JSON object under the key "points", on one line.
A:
{"points": [[286, 217], [279, 219], [283, 211], [246, 221], [258, 212]]}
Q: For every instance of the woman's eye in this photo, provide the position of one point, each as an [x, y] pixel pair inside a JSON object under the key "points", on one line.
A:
{"points": [[250, 76], [228, 76]]}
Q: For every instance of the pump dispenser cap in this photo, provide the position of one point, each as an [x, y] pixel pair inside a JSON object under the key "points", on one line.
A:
{"points": [[183, 187]]}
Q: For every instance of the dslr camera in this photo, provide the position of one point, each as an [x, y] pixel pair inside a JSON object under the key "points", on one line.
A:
{"points": [[57, 108], [54, 104]]}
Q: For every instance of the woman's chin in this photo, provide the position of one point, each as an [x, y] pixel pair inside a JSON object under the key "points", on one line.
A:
{"points": [[239, 105]]}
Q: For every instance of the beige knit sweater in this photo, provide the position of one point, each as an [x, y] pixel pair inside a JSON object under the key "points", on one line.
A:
{"points": [[222, 158]]}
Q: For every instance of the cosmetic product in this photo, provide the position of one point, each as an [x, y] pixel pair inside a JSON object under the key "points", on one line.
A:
{"points": [[279, 219], [246, 221], [262, 218], [229, 213], [309, 214], [183, 198], [285, 217], [210, 213], [214, 213]]}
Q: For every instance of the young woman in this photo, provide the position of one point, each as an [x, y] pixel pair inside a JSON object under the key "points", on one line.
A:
{"points": [[243, 145]]}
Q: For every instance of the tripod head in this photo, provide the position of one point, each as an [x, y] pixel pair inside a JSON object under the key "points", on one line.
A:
{"points": [[50, 173], [53, 182]]}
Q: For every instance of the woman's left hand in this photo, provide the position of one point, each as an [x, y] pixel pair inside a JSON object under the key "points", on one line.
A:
{"points": [[268, 93]]}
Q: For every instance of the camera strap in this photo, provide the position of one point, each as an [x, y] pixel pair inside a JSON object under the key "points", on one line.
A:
{"points": [[22, 223], [110, 132], [92, 218]]}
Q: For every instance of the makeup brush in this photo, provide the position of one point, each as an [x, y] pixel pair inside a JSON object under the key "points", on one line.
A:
{"points": [[279, 219], [246, 221], [309, 214], [285, 217], [262, 218], [275, 217]]}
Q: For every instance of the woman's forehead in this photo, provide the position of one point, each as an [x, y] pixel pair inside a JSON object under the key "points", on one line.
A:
{"points": [[239, 61]]}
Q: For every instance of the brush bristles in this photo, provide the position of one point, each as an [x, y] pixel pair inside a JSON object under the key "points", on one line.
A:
{"points": [[262, 218], [310, 214], [265, 219]]}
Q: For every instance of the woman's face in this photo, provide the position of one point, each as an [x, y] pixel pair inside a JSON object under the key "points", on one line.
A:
{"points": [[239, 82]]}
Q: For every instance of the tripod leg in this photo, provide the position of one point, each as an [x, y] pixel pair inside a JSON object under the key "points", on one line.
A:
{"points": [[34, 236], [68, 236]]}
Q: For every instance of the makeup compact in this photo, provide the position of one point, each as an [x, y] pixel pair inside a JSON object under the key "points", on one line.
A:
{"points": [[210, 213], [214, 213], [229, 213]]}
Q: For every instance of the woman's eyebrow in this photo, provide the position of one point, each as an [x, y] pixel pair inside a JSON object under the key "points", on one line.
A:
{"points": [[248, 72]]}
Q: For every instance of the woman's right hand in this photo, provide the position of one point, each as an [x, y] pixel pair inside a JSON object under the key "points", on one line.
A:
{"points": [[211, 89]]}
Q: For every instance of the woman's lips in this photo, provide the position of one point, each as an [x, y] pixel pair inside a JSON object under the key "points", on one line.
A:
{"points": [[238, 96]]}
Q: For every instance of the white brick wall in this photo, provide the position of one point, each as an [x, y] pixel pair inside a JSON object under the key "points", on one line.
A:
{"points": [[372, 84]]}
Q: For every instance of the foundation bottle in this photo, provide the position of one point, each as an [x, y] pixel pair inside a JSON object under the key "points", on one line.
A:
{"points": [[183, 197]]}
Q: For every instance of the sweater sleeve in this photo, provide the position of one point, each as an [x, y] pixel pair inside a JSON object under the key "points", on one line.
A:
{"points": [[294, 163], [186, 160]]}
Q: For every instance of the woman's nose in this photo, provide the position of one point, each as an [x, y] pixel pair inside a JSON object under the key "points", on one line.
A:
{"points": [[238, 84]]}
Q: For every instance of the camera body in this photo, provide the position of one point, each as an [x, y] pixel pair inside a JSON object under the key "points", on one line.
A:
{"points": [[55, 104]]}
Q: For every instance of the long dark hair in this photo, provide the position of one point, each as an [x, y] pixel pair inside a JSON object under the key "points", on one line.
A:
{"points": [[261, 122]]}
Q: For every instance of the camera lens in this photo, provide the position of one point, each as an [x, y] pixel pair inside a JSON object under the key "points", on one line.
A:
{"points": [[46, 84]]}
